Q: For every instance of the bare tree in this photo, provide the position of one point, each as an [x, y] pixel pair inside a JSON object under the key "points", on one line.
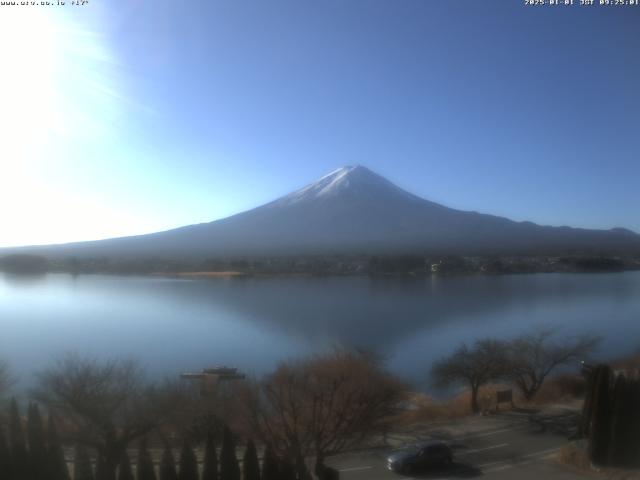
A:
{"points": [[108, 404], [323, 405], [475, 366], [533, 357]]}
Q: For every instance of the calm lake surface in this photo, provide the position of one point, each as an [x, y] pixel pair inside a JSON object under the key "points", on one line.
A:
{"points": [[173, 325]]}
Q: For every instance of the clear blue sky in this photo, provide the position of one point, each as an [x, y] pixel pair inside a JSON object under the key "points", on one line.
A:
{"points": [[125, 117]]}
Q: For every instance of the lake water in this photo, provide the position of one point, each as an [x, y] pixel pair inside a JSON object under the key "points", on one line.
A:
{"points": [[174, 325]]}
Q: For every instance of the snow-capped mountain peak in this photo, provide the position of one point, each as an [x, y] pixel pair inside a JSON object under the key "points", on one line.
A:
{"points": [[354, 210], [354, 179]]}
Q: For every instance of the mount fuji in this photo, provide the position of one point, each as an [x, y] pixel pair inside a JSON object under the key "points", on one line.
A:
{"points": [[354, 210]]}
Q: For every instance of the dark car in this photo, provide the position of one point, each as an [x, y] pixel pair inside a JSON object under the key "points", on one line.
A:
{"points": [[420, 456]]}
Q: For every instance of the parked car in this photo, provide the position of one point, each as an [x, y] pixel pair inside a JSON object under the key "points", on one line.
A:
{"points": [[421, 456]]}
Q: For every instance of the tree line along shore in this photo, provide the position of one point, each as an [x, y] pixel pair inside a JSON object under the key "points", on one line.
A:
{"points": [[374, 265]]}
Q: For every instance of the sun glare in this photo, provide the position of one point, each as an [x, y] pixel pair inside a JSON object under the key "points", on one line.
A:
{"points": [[28, 48], [57, 93]]}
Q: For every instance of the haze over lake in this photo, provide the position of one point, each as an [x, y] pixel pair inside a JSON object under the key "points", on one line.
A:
{"points": [[173, 325]]}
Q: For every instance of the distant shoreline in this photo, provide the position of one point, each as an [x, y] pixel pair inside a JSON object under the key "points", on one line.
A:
{"points": [[209, 275], [401, 265], [205, 274], [234, 274]]}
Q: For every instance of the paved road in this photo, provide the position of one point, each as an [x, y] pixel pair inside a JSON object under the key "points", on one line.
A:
{"points": [[509, 445]]}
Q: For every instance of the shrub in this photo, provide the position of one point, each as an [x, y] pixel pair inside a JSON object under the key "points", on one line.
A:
{"points": [[56, 463], [21, 465], [5, 457], [250, 464], [188, 463], [210, 468], [168, 465], [124, 469], [82, 464], [145, 464], [270, 469], [229, 468]]}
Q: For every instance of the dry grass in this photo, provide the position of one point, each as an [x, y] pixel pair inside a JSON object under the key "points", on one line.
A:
{"points": [[434, 412], [428, 410], [564, 388], [575, 457], [558, 389], [632, 362], [622, 474], [561, 389]]}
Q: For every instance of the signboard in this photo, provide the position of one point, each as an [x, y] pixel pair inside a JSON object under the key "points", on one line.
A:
{"points": [[504, 396]]}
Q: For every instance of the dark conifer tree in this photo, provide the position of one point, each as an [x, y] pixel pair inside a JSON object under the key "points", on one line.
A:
{"points": [[5, 457], [19, 454], [145, 463], [287, 471], [82, 464], [229, 468], [270, 469], [168, 465], [617, 421], [600, 429], [634, 399], [624, 439], [250, 465], [37, 443], [56, 463], [124, 468], [210, 468], [188, 463], [101, 468]]}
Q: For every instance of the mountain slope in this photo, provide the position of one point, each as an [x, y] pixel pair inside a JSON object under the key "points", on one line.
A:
{"points": [[353, 210]]}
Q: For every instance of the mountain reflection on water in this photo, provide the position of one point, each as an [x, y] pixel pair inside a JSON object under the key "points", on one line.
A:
{"points": [[253, 323]]}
